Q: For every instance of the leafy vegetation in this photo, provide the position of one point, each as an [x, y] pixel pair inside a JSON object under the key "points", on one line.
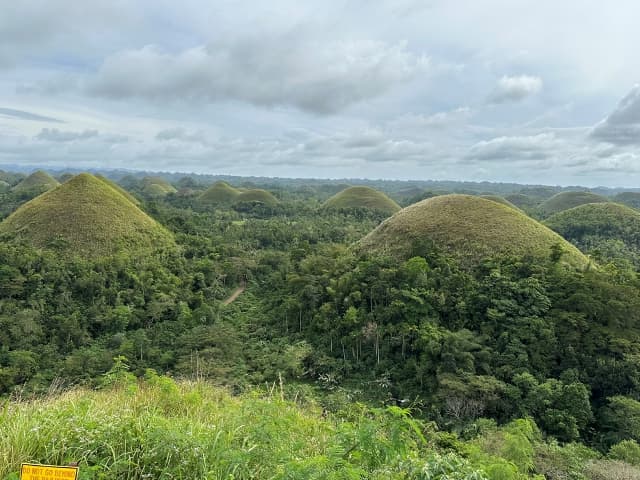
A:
{"points": [[486, 346], [608, 231]]}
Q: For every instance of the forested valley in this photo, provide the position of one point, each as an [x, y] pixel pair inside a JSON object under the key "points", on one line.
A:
{"points": [[296, 333]]}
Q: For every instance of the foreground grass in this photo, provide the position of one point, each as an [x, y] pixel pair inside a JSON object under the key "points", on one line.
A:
{"points": [[159, 429]]}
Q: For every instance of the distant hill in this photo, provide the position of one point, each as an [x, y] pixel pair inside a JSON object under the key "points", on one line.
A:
{"points": [[566, 200], [220, 193], [469, 228], [157, 187], [257, 195], [630, 199], [38, 181], [608, 230], [362, 197], [88, 217], [521, 200], [501, 200]]}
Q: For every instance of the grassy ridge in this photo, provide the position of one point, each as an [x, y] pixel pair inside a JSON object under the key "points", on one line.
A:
{"points": [[566, 200], [470, 228], [362, 197], [85, 216]]}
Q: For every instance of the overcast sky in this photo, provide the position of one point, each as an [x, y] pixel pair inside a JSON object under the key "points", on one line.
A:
{"points": [[529, 91]]}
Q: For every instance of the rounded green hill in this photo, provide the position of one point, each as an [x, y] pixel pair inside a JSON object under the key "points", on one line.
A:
{"points": [[521, 200], [258, 196], [218, 194], [470, 229], [157, 187], [595, 224], [500, 200], [38, 181], [630, 199], [362, 197], [566, 200], [85, 216]]}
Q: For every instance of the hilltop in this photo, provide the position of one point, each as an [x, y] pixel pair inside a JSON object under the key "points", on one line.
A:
{"points": [[609, 229], [257, 195], [219, 193], [566, 200], [85, 216], [362, 197], [470, 228], [630, 199], [38, 181], [157, 187]]}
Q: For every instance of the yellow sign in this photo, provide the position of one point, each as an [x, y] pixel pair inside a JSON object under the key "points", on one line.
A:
{"points": [[47, 472]]}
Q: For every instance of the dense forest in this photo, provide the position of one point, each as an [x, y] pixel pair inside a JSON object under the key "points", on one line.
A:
{"points": [[474, 361]]}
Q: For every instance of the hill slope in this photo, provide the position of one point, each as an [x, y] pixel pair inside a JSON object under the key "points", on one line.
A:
{"points": [[37, 181], [219, 193], [257, 195], [608, 229], [121, 190], [85, 216], [500, 200], [470, 228], [157, 187], [362, 197], [630, 199], [566, 200]]}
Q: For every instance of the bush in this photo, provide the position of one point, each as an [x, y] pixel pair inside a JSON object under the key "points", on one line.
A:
{"points": [[626, 451]]}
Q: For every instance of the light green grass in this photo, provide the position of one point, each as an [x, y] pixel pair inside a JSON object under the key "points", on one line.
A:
{"points": [[117, 187], [362, 197], [37, 180], [88, 217], [219, 193], [471, 229], [257, 195], [566, 200], [157, 187], [162, 430]]}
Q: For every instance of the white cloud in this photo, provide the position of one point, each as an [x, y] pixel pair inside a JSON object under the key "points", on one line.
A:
{"points": [[516, 148], [622, 126], [55, 135], [516, 88], [286, 70]]}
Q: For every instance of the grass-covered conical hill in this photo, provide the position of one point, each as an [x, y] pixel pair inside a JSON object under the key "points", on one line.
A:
{"points": [[499, 199], [566, 200], [630, 199], [588, 225], [37, 181], [87, 217], [257, 195], [362, 197], [220, 193], [157, 187], [470, 229]]}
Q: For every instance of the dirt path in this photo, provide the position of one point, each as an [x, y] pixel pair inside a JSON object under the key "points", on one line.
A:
{"points": [[236, 293]]}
